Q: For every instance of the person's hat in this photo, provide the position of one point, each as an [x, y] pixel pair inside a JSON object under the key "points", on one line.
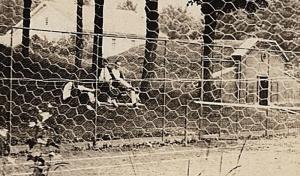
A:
{"points": [[118, 63], [105, 61]]}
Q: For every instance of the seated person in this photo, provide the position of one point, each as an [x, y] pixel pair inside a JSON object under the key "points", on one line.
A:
{"points": [[118, 81], [106, 77], [105, 72], [115, 78], [84, 94]]}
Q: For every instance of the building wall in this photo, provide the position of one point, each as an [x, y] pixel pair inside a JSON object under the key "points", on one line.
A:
{"points": [[282, 88], [229, 84], [47, 20], [114, 46]]}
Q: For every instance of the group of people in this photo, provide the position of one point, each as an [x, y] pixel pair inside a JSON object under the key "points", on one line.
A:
{"points": [[115, 84]]}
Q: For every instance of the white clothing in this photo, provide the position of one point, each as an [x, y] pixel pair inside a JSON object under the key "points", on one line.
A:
{"points": [[91, 97], [83, 88], [117, 74], [105, 75], [67, 90]]}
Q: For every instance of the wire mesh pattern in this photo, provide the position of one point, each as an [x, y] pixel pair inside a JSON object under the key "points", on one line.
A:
{"points": [[231, 76]]}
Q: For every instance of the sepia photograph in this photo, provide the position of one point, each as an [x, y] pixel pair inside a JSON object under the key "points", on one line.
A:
{"points": [[149, 87]]}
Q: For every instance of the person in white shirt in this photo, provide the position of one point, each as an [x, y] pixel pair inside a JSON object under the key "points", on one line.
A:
{"points": [[118, 81], [106, 77]]}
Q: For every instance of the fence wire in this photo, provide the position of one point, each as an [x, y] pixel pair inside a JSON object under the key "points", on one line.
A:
{"points": [[183, 81]]}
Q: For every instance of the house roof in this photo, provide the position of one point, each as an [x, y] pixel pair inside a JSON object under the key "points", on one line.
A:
{"points": [[222, 72], [254, 43], [245, 47]]}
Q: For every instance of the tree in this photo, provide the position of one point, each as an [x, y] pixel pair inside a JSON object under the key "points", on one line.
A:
{"points": [[26, 26], [98, 37], [79, 40], [178, 24], [213, 10], [127, 5], [277, 23], [152, 31], [86, 2], [11, 12]]}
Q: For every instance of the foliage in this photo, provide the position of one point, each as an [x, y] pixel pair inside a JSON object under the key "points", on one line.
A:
{"points": [[63, 46], [59, 52], [278, 22], [177, 23], [41, 167], [11, 13], [86, 2], [4, 146], [40, 127], [127, 5], [192, 2]]}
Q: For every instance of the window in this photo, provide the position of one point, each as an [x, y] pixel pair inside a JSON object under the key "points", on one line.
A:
{"points": [[274, 97], [264, 57], [288, 66], [251, 91], [113, 42], [47, 21], [263, 90], [132, 42]]}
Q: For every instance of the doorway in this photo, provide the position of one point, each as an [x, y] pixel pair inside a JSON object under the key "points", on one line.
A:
{"points": [[263, 90]]}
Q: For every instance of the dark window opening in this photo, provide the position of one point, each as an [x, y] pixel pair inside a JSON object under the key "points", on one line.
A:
{"points": [[263, 90], [114, 42]]}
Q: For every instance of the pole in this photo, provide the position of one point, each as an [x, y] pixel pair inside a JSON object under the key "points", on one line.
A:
{"points": [[164, 97], [188, 169], [96, 94], [267, 113], [202, 99], [185, 123], [10, 92]]}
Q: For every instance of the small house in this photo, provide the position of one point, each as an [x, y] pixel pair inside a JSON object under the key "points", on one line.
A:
{"points": [[253, 71]]}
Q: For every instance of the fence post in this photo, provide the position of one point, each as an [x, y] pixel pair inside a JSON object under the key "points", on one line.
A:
{"points": [[96, 97], [201, 99], [185, 126], [186, 122], [9, 126], [164, 97]]}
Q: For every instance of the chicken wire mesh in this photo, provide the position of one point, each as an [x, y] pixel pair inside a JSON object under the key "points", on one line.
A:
{"points": [[240, 82]]}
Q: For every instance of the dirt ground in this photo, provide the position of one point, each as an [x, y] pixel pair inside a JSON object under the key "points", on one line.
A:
{"points": [[275, 157]]}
